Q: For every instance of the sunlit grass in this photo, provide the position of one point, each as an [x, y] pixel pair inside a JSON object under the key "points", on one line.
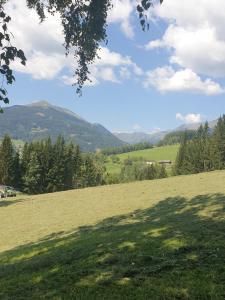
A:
{"points": [[158, 153], [162, 239]]}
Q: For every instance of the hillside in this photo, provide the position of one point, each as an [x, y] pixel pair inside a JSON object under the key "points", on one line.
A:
{"points": [[161, 239], [41, 119], [158, 153]]}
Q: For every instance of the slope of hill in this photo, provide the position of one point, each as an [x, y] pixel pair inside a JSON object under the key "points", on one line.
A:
{"points": [[41, 119], [161, 239], [168, 152]]}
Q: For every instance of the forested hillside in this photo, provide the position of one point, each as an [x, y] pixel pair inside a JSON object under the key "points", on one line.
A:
{"points": [[41, 120]]}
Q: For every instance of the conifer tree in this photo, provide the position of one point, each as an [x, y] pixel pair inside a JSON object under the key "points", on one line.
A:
{"points": [[9, 164], [218, 145], [181, 156], [77, 176], [57, 173], [32, 178]]}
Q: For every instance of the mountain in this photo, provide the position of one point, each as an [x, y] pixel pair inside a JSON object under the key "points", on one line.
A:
{"points": [[154, 138], [41, 119], [139, 137], [195, 126]]}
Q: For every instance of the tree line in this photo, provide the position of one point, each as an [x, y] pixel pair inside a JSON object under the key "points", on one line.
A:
{"points": [[44, 166], [139, 170], [175, 137], [126, 148], [205, 152]]}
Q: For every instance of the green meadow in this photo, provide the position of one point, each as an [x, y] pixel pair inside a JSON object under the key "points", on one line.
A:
{"points": [[168, 152], [160, 239]]}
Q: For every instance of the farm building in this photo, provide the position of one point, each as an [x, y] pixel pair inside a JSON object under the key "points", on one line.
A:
{"points": [[165, 162]]}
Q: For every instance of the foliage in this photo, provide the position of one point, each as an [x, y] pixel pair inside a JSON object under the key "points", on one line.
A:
{"points": [[176, 137], [139, 170], [9, 163], [205, 152], [48, 167], [84, 27], [126, 148]]}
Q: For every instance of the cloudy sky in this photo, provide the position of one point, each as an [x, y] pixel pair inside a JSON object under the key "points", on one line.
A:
{"points": [[170, 75]]}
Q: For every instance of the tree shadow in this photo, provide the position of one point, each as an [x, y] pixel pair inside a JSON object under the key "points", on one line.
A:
{"points": [[5, 203], [174, 250]]}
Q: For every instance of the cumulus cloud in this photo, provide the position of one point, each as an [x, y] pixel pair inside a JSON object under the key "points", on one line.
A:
{"points": [[109, 66], [121, 13], [42, 43], [195, 35], [166, 79], [189, 118]]}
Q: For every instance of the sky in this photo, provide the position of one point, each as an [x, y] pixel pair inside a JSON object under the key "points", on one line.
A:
{"points": [[144, 81]]}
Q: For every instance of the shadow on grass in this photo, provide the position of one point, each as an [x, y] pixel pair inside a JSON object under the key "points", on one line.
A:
{"points": [[174, 250], [5, 203]]}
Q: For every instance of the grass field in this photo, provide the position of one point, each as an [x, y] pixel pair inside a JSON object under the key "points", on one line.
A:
{"points": [[159, 153], [162, 239]]}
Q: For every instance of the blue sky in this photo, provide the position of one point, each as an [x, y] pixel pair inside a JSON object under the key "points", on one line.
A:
{"points": [[170, 75]]}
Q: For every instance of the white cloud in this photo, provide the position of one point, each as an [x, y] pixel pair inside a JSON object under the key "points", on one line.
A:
{"points": [[109, 66], [41, 66], [125, 73], [195, 35], [107, 74], [189, 118], [42, 43], [110, 58], [121, 13], [166, 79]]}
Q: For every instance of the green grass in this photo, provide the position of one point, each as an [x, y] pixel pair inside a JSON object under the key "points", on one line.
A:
{"points": [[159, 153], [162, 239]]}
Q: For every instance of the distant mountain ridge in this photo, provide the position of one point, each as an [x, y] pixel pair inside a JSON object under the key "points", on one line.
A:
{"points": [[139, 137], [154, 138], [41, 119], [195, 126]]}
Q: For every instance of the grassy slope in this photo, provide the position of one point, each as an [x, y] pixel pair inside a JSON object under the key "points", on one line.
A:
{"points": [[159, 153], [162, 239]]}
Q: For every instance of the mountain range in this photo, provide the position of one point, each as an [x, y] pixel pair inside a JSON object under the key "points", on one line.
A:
{"points": [[139, 137], [41, 120], [154, 138]]}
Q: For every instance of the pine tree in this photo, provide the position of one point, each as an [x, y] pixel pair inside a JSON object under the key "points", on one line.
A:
{"points": [[206, 151], [78, 162], [9, 163], [57, 173], [92, 173], [218, 145], [32, 178], [44, 152], [181, 156]]}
